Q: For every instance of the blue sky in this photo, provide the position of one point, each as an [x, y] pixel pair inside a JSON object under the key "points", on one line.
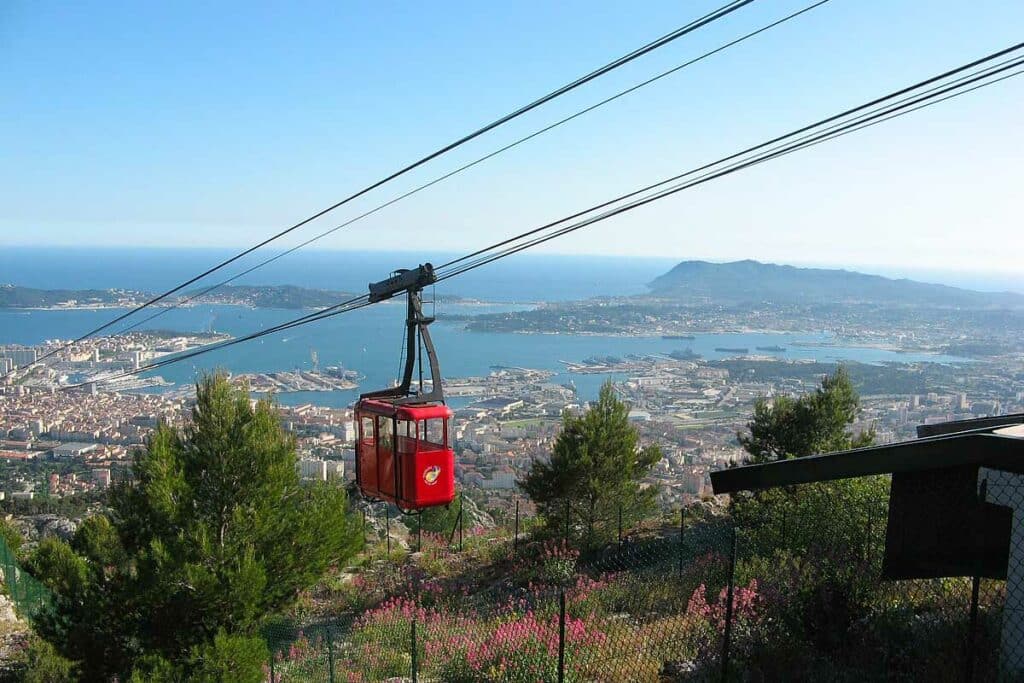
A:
{"points": [[216, 124]]}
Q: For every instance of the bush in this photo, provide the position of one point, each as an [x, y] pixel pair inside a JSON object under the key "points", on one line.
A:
{"points": [[42, 664]]}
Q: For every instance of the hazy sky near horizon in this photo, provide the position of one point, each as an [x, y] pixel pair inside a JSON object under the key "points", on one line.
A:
{"points": [[217, 124]]}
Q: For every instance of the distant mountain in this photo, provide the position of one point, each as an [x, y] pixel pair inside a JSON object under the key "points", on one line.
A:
{"points": [[13, 296], [754, 282], [274, 296]]}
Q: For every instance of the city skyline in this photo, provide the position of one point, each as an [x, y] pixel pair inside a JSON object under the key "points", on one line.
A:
{"points": [[178, 134]]}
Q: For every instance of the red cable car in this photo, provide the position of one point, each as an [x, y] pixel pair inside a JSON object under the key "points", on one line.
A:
{"points": [[403, 452]]}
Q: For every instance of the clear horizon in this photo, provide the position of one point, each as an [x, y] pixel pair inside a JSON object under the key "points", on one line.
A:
{"points": [[986, 281], [173, 131]]}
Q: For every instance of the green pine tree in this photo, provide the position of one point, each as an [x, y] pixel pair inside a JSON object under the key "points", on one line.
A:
{"points": [[819, 422], [213, 533], [596, 466]]}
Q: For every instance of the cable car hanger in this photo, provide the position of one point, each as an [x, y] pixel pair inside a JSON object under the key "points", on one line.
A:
{"points": [[412, 283]]}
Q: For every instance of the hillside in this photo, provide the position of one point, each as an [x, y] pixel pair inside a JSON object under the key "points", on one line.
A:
{"points": [[275, 296], [13, 296], [751, 281]]}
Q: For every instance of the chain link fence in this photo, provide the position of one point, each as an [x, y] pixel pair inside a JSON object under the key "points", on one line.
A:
{"points": [[28, 595], [787, 584]]}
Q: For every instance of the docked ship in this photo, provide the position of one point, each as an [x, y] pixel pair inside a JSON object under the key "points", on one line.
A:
{"points": [[773, 349], [726, 349], [678, 336]]}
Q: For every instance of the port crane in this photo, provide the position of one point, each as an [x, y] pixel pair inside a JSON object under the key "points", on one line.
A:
{"points": [[403, 449]]}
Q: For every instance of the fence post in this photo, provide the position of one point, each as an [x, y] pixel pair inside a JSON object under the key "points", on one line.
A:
{"points": [[567, 521], [561, 635], [515, 538], [364, 526], [620, 525], [867, 548], [682, 528], [272, 666], [419, 532], [330, 656], [462, 505], [972, 632], [414, 672], [387, 526], [728, 609]]}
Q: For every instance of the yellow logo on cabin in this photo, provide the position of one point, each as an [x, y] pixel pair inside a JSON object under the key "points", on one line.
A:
{"points": [[431, 474]]}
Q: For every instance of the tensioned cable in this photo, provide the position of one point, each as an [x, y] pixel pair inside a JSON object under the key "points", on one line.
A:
{"points": [[741, 153], [849, 127], [611, 66], [888, 112], [471, 164], [819, 136], [775, 153]]}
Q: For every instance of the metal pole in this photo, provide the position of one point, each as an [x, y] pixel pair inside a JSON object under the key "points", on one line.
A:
{"points": [[620, 525], [867, 548], [515, 537], [414, 673], [972, 633], [728, 610], [682, 528], [272, 667], [419, 533], [387, 523], [462, 505], [364, 526], [567, 521], [561, 635], [330, 656]]}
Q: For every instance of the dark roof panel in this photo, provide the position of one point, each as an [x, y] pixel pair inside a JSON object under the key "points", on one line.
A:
{"points": [[988, 447]]}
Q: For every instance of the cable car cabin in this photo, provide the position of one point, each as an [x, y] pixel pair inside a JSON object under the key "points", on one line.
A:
{"points": [[403, 453]]}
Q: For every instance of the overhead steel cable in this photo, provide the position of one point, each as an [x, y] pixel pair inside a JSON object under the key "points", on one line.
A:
{"points": [[798, 131], [344, 307], [723, 11], [888, 110], [487, 254], [471, 164]]}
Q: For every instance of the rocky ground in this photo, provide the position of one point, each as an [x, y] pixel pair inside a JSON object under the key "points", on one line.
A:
{"points": [[14, 634]]}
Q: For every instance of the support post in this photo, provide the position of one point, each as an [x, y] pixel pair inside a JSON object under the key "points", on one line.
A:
{"points": [[682, 529], [462, 505], [413, 636], [387, 526], [867, 543], [561, 635], [364, 526], [728, 609], [419, 533], [972, 633], [272, 679], [330, 656], [567, 521], [620, 525], [515, 537]]}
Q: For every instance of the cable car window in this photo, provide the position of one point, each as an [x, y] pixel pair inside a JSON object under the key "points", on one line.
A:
{"points": [[432, 432], [366, 429], [384, 432], [406, 436]]}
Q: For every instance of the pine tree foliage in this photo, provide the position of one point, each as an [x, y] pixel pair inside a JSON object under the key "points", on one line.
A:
{"points": [[213, 533], [819, 422], [596, 466]]}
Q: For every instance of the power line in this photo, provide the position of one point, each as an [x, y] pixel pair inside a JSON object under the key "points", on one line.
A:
{"points": [[798, 131], [479, 160], [625, 59], [838, 130], [866, 119]]}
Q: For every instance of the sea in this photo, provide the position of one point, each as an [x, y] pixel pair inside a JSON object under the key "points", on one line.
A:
{"points": [[369, 340]]}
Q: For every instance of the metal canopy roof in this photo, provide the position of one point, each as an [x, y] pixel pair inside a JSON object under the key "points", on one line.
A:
{"points": [[985, 442]]}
